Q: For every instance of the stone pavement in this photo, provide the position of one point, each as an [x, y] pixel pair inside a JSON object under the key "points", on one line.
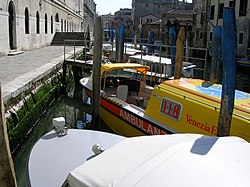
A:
{"points": [[16, 72]]}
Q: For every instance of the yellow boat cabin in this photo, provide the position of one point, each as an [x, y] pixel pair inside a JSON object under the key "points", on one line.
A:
{"points": [[186, 106]]}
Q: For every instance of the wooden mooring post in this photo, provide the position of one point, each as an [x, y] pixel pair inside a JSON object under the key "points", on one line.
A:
{"points": [[179, 53], [216, 67], [7, 172], [120, 37], [97, 60], [229, 48], [172, 43]]}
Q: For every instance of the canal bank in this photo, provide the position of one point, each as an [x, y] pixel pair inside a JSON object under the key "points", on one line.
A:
{"points": [[30, 82]]}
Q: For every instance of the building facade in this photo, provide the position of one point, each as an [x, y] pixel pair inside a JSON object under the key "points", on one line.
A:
{"points": [[209, 13], [242, 16], [141, 8], [29, 24], [107, 21], [89, 16]]}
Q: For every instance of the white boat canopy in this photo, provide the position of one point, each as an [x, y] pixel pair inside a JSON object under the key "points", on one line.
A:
{"points": [[168, 160]]}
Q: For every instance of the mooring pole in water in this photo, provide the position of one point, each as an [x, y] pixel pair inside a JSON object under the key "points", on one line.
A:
{"points": [[120, 43], [141, 36], [97, 60], [150, 42], [229, 48], [215, 74], [172, 43], [179, 53], [135, 40], [7, 172], [64, 67]]}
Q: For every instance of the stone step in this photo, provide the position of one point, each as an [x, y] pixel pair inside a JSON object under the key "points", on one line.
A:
{"points": [[61, 36], [14, 52]]}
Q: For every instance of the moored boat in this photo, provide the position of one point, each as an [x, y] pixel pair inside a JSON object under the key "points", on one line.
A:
{"points": [[75, 158], [190, 160], [59, 151], [174, 106]]}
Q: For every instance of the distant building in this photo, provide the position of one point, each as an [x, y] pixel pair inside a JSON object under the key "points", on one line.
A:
{"points": [[150, 23], [242, 15], [107, 21], [153, 26], [141, 8], [89, 15], [172, 17], [29, 24], [200, 22], [124, 13], [209, 13]]}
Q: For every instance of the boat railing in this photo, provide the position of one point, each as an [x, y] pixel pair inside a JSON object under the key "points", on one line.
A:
{"points": [[197, 57]]}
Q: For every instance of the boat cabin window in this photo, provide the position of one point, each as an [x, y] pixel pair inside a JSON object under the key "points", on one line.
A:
{"points": [[126, 76], [125, 72]]}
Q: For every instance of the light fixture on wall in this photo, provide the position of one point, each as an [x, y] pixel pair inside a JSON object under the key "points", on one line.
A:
{"points": [[40, 4]]}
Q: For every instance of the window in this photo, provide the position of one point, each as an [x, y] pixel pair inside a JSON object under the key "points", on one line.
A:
{"points": [[202, 17], [211, 36], [57, 18], [197, 34], [194, 18], [146, 5], [65, 24], [149, 20], [241, 36], [221, 11], [51, 24], [61, 25], [37, 23], [232, 4], [27, 24], [243, 7], [212, 12], [46, 24]]}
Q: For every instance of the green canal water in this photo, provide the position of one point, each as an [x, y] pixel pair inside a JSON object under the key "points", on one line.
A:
{"points": [[76, 114]]}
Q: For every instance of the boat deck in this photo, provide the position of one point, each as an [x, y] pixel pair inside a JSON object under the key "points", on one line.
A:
{"points": [[160, 66]]}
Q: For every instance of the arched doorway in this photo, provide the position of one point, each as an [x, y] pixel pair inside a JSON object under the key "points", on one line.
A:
{"points": [[12, 25]]}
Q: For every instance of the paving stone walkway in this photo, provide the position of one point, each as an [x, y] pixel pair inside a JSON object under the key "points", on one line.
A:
{"points": [[16, 71]]}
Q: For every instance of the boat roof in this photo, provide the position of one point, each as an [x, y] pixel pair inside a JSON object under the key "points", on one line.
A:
{"points": [[53, 156], [190, 160], [192, 88], [138, 67]]}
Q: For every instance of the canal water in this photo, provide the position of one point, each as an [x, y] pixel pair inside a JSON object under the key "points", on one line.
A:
{"points": [[76, 114]]}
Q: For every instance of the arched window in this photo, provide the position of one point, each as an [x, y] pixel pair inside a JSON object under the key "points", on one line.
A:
{"points": [[65, 26], [61, 25], [46, 24], [27, 24], [51, 24], [37, 23], [57, 18]]}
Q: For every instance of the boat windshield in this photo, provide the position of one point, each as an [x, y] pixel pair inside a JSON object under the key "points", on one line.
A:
{"points": [[118, 66], [125, 72]]}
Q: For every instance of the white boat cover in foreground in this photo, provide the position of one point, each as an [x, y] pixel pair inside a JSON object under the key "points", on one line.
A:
{"points": [[168, 160], [53, 157]]}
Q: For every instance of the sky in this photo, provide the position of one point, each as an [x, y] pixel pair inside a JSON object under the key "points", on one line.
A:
{"points": [[111, 6]]}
